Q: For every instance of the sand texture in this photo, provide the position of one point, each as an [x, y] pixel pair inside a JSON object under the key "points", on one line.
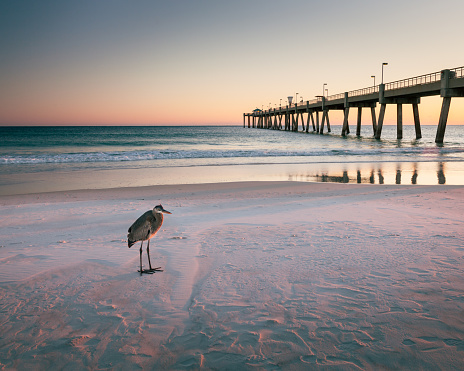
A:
{"points": [[257, 276]]}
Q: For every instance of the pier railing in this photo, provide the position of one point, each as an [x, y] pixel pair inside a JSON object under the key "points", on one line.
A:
{"points": [[336, 96], [365, 91], [414, 81], [458, 72], [405, 83]]}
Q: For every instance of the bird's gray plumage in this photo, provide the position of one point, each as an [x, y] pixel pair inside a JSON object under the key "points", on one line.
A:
{"points": [[144, 228]]}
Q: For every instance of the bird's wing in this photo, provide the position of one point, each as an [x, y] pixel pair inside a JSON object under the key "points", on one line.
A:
{"points": [[140, 230]]}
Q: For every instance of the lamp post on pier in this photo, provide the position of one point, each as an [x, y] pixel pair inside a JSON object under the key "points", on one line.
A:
{"points": [[323, 88], [383, 64], [296, 97], [374, 79]]}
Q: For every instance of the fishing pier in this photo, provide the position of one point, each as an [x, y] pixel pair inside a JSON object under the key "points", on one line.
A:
{"points": [[447, 84]]}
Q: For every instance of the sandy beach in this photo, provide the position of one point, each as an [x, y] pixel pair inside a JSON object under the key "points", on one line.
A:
{"points": [[257, 275]]}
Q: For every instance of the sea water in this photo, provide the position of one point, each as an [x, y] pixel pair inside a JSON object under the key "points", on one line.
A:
{"points": [[36, 159]]}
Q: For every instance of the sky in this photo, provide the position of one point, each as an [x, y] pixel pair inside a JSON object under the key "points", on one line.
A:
{"points": [[206, 62]]}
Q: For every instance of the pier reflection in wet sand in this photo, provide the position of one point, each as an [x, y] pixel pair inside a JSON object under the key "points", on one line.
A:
{"points": [[382, 173]]}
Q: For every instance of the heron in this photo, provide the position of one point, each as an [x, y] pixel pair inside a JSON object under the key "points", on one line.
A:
{"points": [[144, 228]]}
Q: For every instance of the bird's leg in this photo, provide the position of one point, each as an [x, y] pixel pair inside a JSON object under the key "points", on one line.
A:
{"points": [[148, 253], [149, 262], [151, 270], [141, 258]]}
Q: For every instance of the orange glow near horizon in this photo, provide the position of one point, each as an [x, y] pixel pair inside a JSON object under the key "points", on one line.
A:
{"points": [[176, 113]]}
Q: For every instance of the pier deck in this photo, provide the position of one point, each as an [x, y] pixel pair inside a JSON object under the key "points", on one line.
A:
{"points": [[447, 84]]}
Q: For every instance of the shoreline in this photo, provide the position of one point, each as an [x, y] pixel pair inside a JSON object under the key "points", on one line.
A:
{"points": [[256, 274], [391, 172], [200, 190]]}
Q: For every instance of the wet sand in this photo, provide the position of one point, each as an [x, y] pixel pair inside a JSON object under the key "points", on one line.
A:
{"points": [[142, 174]]}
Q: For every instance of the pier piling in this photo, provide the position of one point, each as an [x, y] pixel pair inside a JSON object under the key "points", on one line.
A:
{"points": [[399, 121], [374, 119], [443, 118], [358, 124], [415, 112]]}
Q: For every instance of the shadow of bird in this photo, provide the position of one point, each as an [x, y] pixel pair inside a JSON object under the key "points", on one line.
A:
{"points": [[144, 228]]}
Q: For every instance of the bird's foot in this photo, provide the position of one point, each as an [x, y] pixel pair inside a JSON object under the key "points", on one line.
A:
{"points": [[150, 271]]}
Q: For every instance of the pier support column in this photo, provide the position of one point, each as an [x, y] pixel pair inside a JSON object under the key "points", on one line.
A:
{"points": [[328, 122], [317, 121], [346, 105], [345, 128], [295, 127], [443, 119], [324, 113], [446, 92], [325, 118], [358, 124], [374, 120], [415, 112], [399, 121], [310, 117], [378, 132]]}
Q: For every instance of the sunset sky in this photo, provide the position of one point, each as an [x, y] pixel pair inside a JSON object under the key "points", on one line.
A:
{"points": [[110, 62]]}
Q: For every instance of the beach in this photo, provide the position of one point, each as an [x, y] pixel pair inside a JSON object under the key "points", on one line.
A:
{"points": [[314, 205], [256, 275]]}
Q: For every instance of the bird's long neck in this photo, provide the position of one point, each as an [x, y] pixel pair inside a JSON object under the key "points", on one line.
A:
{"points": [[159, 217]]}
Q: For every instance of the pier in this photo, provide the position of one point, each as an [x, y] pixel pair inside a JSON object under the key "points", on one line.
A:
{"points": [[448, 83]]}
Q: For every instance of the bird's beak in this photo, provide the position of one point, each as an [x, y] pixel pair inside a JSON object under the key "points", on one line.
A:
{"points": [[166, 212]]}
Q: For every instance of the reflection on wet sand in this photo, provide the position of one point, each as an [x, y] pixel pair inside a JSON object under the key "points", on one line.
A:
{"points": [[441, 173], [376, 175], [414, 175]]}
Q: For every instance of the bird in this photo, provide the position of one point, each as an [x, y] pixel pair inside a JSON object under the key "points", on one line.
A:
{"points": [[144, 228]]}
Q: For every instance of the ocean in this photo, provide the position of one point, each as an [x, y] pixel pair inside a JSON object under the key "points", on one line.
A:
{"points": [[41, 159]]}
